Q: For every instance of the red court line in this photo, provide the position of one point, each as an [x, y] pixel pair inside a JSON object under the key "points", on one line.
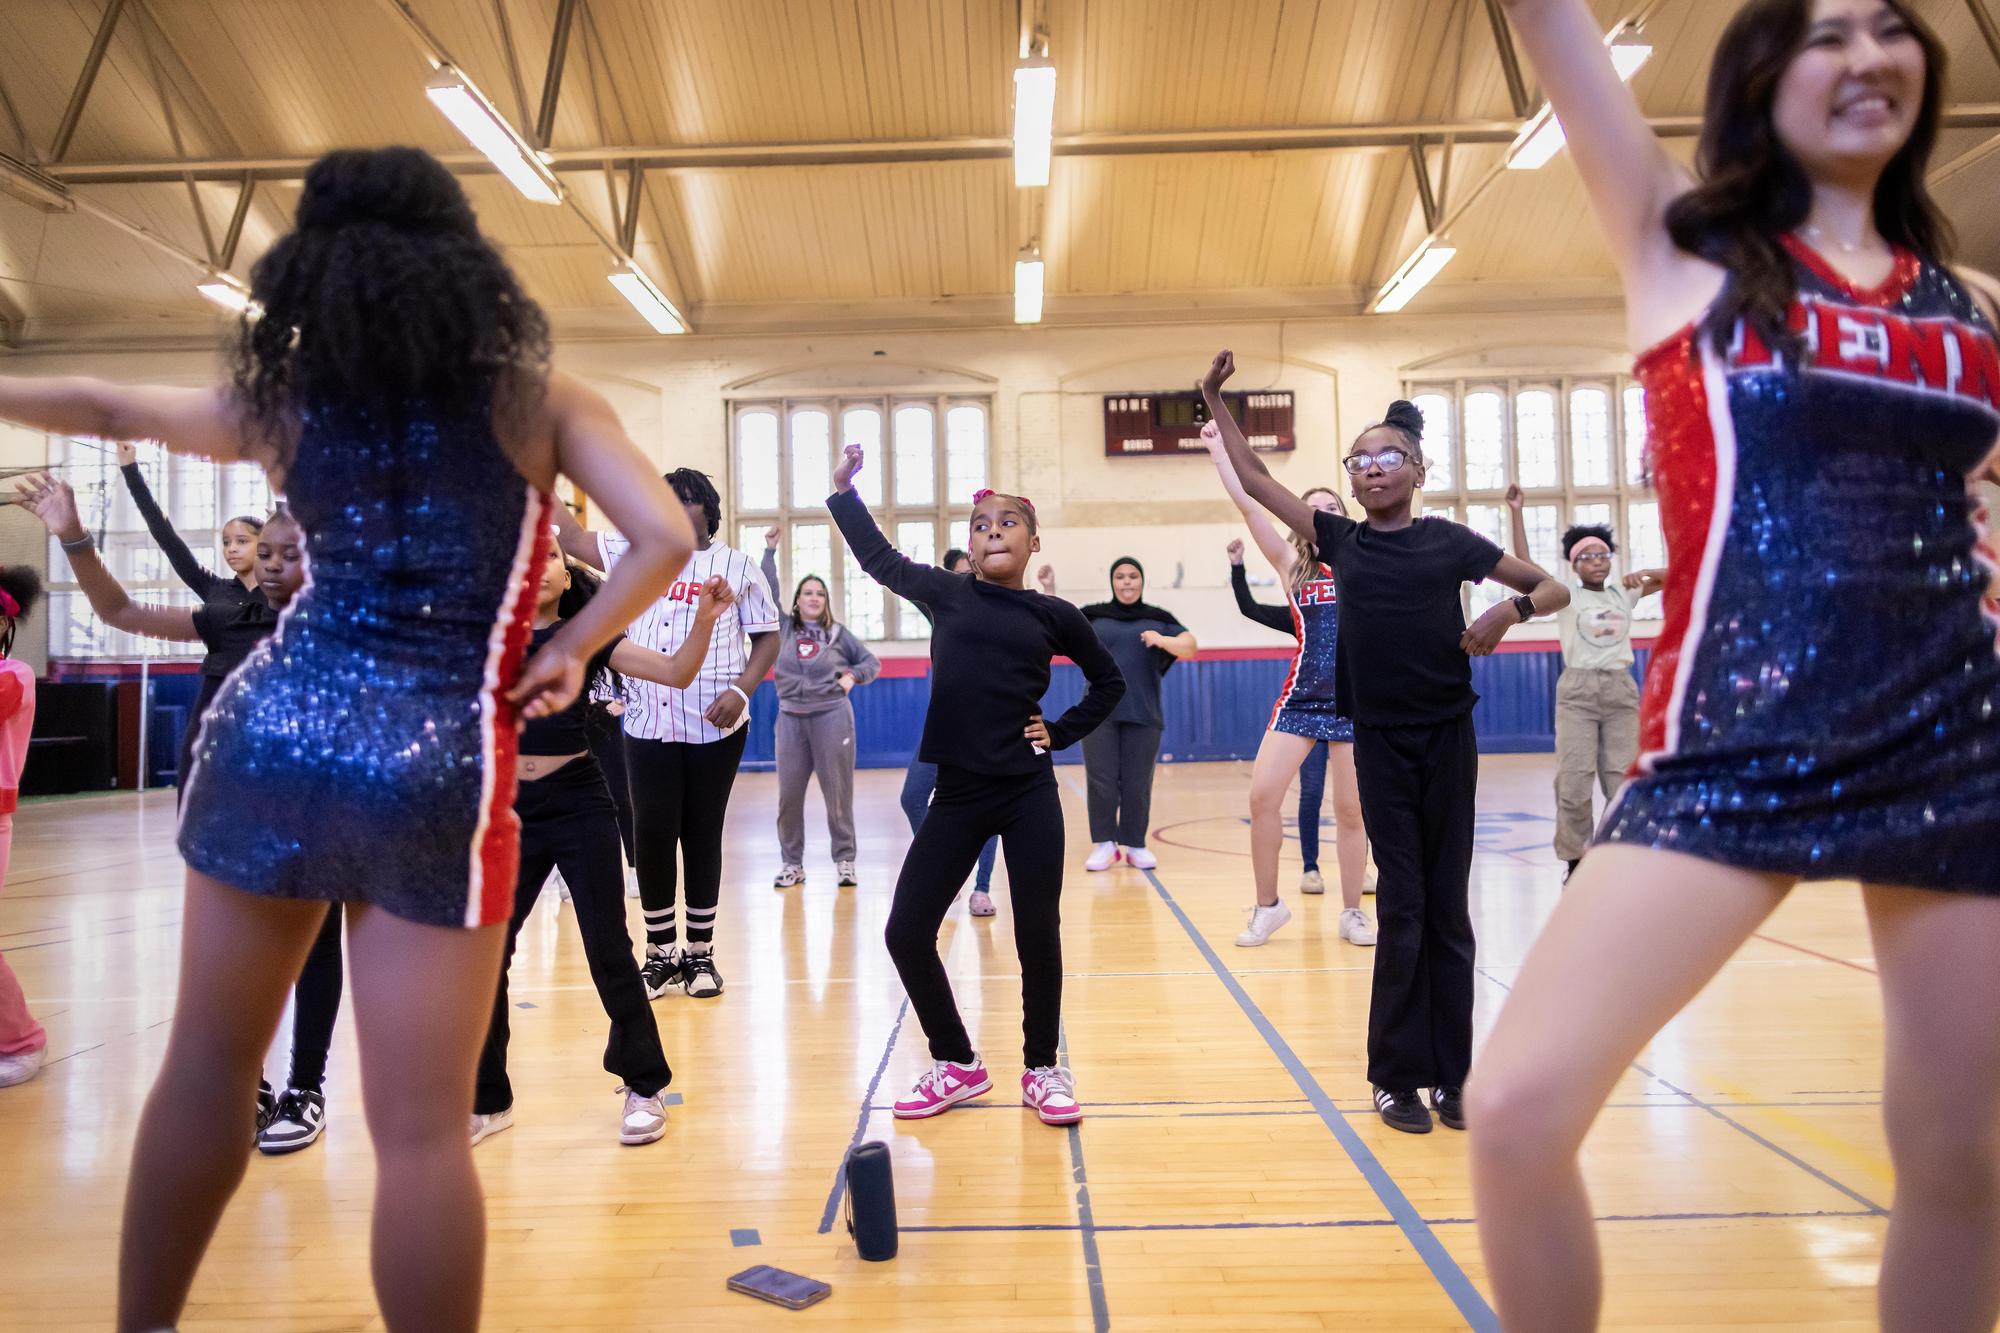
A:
{"points": [[1824, 957]]}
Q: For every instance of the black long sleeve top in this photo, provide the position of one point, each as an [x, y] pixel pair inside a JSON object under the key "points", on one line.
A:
{"points": [[240, 617], [1277, 617], [990, 654]]}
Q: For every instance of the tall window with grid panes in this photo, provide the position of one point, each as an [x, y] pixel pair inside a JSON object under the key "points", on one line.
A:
{"points": [[926, 457], [198, 498], [1576, 445]]}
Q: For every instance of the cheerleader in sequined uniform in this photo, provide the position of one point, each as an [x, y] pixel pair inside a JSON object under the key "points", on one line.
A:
{"points": [[1824, 702], [1303, 718], [394, 385]]}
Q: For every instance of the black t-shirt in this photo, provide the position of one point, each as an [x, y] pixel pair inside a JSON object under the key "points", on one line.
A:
{"points": [[1399, 661], [990, 656], [229, 629], [563, 733]]}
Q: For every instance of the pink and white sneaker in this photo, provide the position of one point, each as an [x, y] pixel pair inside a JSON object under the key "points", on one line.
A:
{"points": [[1051, 1090], [945, 1086]]}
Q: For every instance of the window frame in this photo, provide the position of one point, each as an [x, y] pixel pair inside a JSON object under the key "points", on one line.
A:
{"points": [[901, 622], [1448, 495]]}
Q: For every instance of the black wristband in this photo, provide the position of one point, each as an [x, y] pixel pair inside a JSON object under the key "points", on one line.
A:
{"points": [[1526, 606]]}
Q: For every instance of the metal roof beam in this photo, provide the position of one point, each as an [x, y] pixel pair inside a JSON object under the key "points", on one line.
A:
{"points": [[545, 119], [94, 61], [1989, 31], [694, 157], [1510, 62]]}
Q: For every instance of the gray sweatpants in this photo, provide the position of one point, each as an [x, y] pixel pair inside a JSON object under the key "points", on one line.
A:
{"points": [[1597, 738], [822, 745]]}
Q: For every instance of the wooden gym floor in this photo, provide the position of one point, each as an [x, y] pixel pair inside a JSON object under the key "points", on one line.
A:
{"points": [[1230, 1173]]}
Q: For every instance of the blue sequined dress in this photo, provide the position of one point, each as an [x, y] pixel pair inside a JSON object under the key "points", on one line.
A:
{"points": [[1305, 704], [1824, 699], [365, 751]]}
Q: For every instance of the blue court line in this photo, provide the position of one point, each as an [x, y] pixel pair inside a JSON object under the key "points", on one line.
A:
{"points": [[861, 1122], [741, 1236], [1350, 1223], [1093, 1265], [670, 1099], [1471, 1304], [1743, 1129]]}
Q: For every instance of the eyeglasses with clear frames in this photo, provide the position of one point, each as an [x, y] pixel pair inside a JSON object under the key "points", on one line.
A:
{"points": [[1389, 460]]}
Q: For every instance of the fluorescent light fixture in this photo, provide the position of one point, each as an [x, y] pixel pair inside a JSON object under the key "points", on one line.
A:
{"points": [[1034, 120], [1028, 286], [33, 186], [467, 108], [1415, 274], [646, 297], [225, 291], [1542, 138]]}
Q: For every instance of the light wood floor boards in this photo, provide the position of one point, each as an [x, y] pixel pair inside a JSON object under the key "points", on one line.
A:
{"points": [[1217, 1183]]}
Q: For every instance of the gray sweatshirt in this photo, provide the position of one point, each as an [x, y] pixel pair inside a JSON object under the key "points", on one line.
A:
{"points": [[811, 659]]}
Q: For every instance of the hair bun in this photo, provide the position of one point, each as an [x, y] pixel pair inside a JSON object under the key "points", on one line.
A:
{"points": [[405, 188], [1405, 415]]}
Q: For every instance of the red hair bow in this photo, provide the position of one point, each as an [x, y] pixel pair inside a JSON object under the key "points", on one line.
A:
{"points": [[977, 496]]}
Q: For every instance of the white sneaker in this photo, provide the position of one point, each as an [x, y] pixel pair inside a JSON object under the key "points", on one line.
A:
{"points": [[982, 903], [20, 1068], [1310, 882], [788, 876], [485, 1127], [645, 1119], [845, 870], [1356, 928], [1050, 1091], [1264, 923], [1139, 858], [1102, 857], [698, 975]]}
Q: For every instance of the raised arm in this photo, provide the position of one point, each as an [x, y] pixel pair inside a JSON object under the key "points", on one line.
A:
{"points": [[770, 563], [1277, 551], [1629, 176], [54, 503], [1518, 520], [677, 670], [1249, 469], [593, 450], [209, 423], [878, 559], [190, 570]]}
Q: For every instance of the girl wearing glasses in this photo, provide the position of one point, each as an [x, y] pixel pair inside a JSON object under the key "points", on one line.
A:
{"points": [[1303, 721], [1404, 677], [1597, 696]]}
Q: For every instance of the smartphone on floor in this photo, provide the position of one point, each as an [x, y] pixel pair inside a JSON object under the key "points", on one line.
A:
{"points": [[779, 1287]]}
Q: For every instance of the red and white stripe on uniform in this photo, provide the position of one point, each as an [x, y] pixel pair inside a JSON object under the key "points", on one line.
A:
{"points": [[496, 839]]}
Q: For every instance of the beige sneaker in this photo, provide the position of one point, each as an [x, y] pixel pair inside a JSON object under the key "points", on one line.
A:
{"points": [[1310, 882], [485, 1127]]}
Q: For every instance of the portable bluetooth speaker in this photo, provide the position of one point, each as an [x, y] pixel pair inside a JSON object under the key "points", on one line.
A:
{"points": [[871, 1201]]}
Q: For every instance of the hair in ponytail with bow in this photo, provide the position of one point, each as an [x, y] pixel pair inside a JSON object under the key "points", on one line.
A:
{"points": [[20, 590]]}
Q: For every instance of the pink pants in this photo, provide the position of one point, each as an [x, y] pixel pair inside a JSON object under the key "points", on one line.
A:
{"points": [[19, 1032]]}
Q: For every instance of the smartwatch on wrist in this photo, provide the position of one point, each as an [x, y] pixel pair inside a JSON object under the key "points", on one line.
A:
{"points": [[1526, 606]]}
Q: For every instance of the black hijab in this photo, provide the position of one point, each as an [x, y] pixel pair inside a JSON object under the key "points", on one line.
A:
{"points": [[1139, 610]]}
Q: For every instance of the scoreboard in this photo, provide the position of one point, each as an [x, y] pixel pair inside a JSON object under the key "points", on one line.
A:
{"points": [[1168, 424]]}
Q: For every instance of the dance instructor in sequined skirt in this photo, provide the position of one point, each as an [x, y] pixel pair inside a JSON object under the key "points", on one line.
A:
{"points": [[394, 383], [1824, 702]]}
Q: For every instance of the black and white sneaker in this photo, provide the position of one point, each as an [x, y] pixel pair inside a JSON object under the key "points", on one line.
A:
{"points": [[1403, 1110], [661, 972], [1449, 1103], [698, 975], [267, 1107], [298, 1122]]}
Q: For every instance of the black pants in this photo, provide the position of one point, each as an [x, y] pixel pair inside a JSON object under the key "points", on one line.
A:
{"points": [[966, 810], [680, 793], [1419, 787], [1118, 761], [605, 733], [567, 823], [210, 687], [316, 1003]]}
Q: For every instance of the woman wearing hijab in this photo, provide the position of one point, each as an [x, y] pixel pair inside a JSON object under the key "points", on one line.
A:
{"points": [[1118, 757]]}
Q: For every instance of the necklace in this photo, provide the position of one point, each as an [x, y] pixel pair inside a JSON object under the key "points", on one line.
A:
{"points": [[1819, 237]]}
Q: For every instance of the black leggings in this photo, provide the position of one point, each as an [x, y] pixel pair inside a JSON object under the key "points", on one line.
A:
{"points": [[316, 1003], [1419, 793], [567, 823], [605, 733], [680, 793], [966, 810]]}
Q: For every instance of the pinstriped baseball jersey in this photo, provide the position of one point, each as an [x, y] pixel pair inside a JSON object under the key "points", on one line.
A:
{"points": [[657, 713]]}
